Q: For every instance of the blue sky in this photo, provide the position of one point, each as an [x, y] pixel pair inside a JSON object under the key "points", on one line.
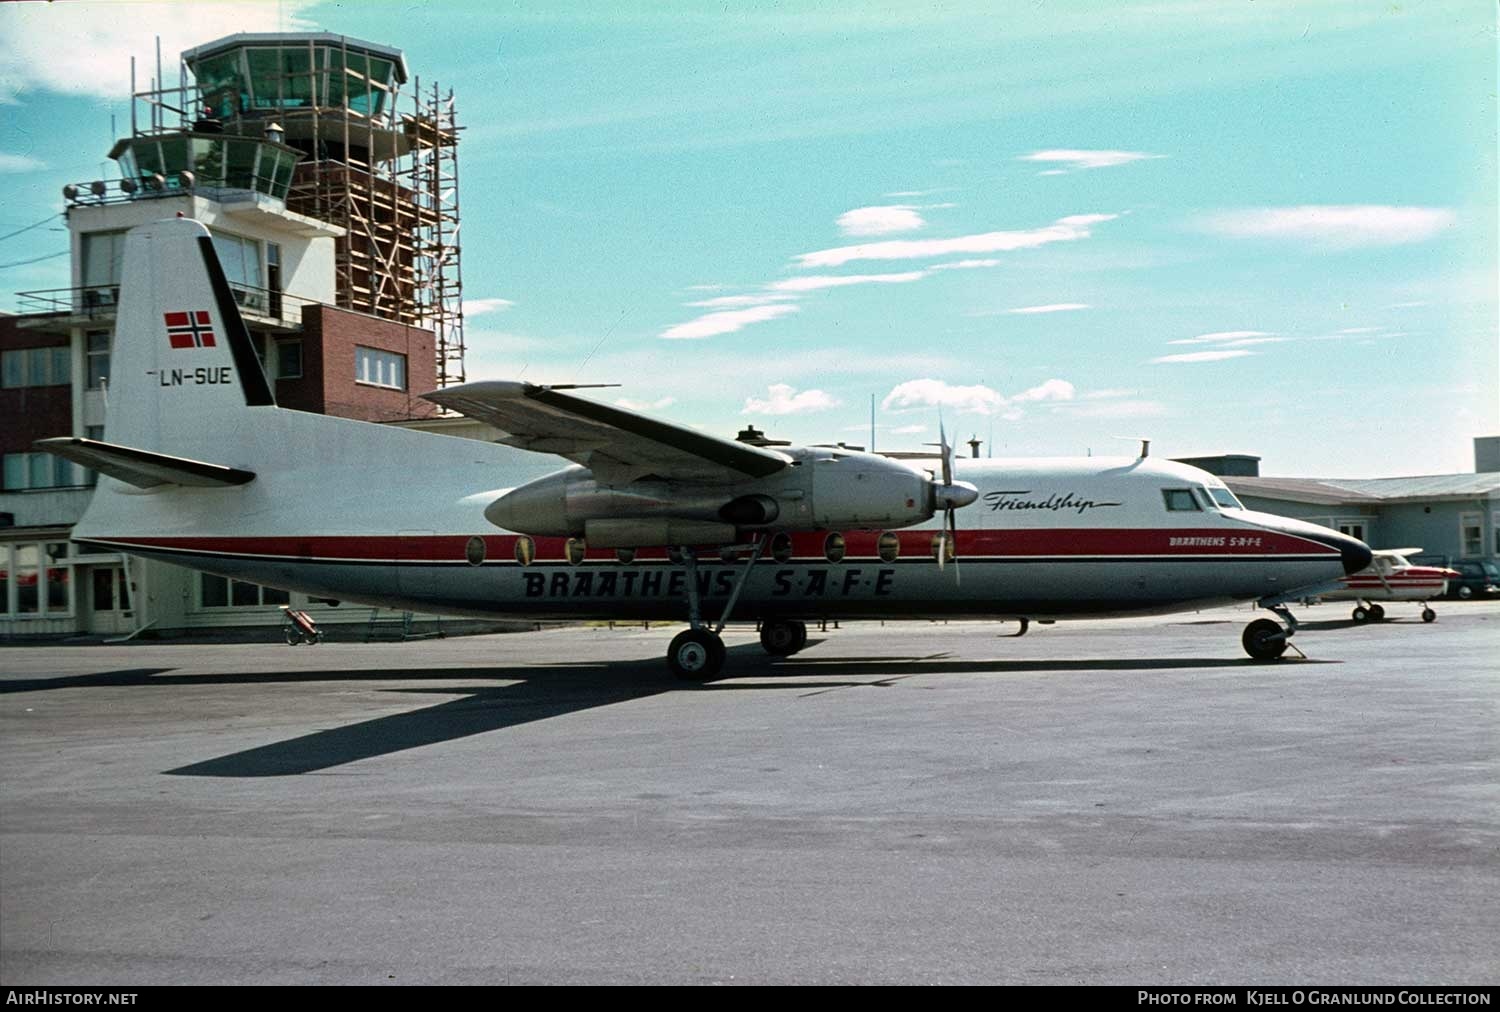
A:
{"points": [[1264, 228]]}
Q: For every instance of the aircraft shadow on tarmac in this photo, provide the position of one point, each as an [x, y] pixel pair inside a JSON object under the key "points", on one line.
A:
{"points": [[539, 692]]}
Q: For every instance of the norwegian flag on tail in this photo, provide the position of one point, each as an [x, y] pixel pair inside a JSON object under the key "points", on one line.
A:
{"points": [[190, 330]]}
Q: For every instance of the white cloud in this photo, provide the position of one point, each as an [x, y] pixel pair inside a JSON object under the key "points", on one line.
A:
{"points": [[933, 393], [478, 307], [1221, 337], [964, 265], [656, 405], [1335, 226], [20, 163], [1067, 229], [1202, 356], [729, 301], [1051, 390], [1076, 159], [881, 220], [724, 323], [783, 399], [95, 57], [908, 430], [815, 282], [1056, 307]]}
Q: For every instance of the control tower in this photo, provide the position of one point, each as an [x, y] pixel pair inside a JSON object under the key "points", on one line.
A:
{"points": [[337, 129]]}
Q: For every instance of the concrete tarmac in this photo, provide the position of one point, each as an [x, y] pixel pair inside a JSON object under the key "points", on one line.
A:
{"points": [[1116, 802]]}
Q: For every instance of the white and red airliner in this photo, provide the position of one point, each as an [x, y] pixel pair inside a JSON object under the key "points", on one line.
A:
{"points": [[650, 520], [1391, 577]]}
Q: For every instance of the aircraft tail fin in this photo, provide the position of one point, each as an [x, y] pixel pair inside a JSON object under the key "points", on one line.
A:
{"points": [[142, 468], [183, 367]]}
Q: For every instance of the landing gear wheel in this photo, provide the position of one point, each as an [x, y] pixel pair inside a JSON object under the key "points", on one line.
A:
{"points": [[1361, 614], [1377, 613], [695, 655], [782, 638], [1428, 615], [1264, 640], [1465, 592]]}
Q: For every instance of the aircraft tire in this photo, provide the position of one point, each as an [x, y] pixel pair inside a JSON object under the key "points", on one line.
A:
{"points": [[1377, 613], [782, 638], [696, 655], [1428, 615], [1264, 640], [1361, 614]]}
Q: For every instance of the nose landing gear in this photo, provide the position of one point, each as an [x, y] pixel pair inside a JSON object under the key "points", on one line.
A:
{"points": [[1265, 640]]}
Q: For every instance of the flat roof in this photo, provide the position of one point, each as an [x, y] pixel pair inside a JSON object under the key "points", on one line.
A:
{"points": [[243, 39], [1332, 491]]}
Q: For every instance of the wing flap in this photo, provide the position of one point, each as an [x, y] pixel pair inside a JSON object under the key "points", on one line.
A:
{"points": [[142, 468], [616, 443]]}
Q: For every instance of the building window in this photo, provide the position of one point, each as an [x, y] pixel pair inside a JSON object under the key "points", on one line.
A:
{"points": [[288, 360], [36, 579], [24, 471], [103, 258], [240, 258], [379, 368], [222, 592], [1471, 533], [96, 371], [35, 367], [1353, 528]]}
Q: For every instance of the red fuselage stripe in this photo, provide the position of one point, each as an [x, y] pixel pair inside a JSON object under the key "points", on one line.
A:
{"points": [[1049, 543]]}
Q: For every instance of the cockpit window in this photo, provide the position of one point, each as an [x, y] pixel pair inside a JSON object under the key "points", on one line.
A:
{"points": [[1225, 499], [1180, 500]]}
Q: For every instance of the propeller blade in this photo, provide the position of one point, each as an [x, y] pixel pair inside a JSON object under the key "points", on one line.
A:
{"points": [[947, 452], [953, 535]]}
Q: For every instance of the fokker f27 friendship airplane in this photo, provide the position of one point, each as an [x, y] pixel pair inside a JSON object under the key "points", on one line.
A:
{"points": [[652, 520]]}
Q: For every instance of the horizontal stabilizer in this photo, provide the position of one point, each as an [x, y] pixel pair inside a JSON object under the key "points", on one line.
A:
{"points": [[142, 468]]}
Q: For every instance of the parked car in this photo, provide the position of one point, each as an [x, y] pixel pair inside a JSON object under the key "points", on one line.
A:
{"points": [[1475, 580]]}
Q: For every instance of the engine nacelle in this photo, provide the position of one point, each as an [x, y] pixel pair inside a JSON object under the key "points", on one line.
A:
{"points": [[821, 489]]}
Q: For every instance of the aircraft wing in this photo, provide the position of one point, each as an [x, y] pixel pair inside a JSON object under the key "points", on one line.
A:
{"points": [[616, 444]]}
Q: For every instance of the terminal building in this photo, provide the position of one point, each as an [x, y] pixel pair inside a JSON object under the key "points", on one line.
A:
{"points": [[328, 178]]}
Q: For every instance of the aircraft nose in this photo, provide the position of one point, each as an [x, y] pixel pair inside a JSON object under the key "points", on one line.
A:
{"points": [[1355, 553]]}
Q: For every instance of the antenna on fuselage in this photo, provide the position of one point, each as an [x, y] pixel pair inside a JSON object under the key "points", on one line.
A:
{"points": [[1145, 442]]}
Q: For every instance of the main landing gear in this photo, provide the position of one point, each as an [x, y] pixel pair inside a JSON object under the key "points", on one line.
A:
{"points": [[783, 637], [1366, 612], [698, 653]]}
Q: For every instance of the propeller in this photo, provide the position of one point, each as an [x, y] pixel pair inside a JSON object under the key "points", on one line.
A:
{"points": [[949, 496]]}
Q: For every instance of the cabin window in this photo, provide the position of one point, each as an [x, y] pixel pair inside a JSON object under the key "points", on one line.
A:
{"points": [[625, 556], [781, 547], [889, 547], [942, 546], [1180, 500], [525, 550], [576, 550], [474, 551], [833, 548], [1225, 499]]}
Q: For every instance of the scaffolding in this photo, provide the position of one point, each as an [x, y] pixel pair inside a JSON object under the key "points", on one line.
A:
{"points": [[379, 163]]}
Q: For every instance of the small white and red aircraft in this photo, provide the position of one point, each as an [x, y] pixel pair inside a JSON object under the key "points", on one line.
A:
{"points": [[1390, 577], [651, 521]]}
